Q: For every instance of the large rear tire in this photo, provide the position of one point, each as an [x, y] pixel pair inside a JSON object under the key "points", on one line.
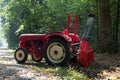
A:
{"points": [[57, 52], [20, 55]]}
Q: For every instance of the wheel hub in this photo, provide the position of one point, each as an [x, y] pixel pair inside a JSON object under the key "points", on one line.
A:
{"points": [[20, 55], [36, 56], [56, 52]]}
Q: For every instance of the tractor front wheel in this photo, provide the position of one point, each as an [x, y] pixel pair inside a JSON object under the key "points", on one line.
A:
{"points": [[37, 58], [57, 52], [20, 55]]}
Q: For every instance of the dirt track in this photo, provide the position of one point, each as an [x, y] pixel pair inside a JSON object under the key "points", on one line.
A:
{"points": [[10, 70], [105, 67]]}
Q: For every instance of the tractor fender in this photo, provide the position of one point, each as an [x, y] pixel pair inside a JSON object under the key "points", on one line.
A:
{"points": [[58, 35]]}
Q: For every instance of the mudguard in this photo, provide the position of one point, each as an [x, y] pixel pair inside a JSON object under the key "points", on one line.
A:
{"points": [[86, 54]]}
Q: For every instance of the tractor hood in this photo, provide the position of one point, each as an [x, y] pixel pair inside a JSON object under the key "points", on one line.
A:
{"points": [[24, 37]]}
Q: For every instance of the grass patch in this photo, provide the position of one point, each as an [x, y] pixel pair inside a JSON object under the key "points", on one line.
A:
{"points": [[65, 73], [69, 74]]}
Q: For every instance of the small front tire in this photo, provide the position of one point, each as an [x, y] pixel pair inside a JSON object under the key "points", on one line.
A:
{"points": [[20, 55]]}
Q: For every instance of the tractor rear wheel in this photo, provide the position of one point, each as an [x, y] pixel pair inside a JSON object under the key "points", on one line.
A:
{"points": [[57, 52], [20, 55], [36, 58]]}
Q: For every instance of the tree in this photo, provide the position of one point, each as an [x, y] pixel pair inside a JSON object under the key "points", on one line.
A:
{"points": [[117, 20], [39, 16], [105, 26]]}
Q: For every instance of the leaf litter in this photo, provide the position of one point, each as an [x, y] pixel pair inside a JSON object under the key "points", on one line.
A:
{"points": [[105, 67]]}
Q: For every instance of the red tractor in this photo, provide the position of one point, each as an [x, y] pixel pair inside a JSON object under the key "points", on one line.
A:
{"points": [[57, 47]]}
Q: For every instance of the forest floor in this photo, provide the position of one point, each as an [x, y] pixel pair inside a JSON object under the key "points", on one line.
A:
{"points": [[105, 67]]}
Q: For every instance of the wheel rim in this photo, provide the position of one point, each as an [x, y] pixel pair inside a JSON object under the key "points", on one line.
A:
{"points": [[36, 57], [20, 55], [56, 52]]}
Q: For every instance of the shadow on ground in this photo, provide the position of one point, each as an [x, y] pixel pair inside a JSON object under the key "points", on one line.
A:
{"points": [[103, 62], [8, 69]]}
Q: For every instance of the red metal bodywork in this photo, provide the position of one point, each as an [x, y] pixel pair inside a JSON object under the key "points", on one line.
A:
{"points": [[84, 53]]}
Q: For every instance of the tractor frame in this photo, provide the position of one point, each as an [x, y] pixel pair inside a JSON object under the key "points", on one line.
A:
{"points": [[58, 48]]}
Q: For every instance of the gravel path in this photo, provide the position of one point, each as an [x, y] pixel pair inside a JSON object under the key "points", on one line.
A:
{"points": [[10, 70], [105, 67]]}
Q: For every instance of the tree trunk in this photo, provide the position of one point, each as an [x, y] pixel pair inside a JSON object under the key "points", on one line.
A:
{"points": [[104, 23], [117, 20]]}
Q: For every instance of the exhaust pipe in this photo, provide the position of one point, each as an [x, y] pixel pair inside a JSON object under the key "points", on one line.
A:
{"points": [[88, 26]]}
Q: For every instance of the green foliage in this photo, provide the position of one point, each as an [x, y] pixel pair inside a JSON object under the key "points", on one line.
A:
{"points": [[40, 16]]}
